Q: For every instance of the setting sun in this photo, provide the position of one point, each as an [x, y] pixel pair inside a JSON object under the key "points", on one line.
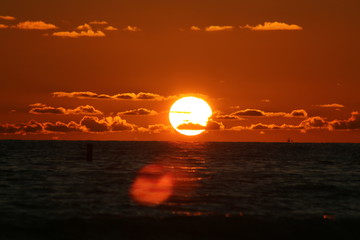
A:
{"points": [[190, 115]]}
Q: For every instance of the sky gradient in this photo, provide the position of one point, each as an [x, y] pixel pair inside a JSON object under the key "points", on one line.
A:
{"points": [[79, 70]]}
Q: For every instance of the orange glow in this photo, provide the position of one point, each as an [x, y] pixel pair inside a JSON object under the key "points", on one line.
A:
{"points": [[253, 68], [190, 115], [153, 186]]}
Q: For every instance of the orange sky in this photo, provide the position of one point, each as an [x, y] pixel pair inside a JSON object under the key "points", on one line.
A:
{"points": [[254, 62]]}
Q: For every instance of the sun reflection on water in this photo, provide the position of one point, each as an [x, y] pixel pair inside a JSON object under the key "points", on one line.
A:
{"points": [[171, 179]]}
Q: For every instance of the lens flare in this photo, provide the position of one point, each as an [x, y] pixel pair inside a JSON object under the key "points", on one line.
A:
{"points": [[153, 185]]}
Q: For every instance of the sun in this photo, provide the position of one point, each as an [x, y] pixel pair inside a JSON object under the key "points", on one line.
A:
{"points": [[190, 115]]}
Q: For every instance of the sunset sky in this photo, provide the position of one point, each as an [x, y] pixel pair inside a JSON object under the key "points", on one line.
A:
{"points": [[110, 70]]}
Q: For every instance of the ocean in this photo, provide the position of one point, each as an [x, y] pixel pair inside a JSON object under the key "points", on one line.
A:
{"points": [[178, 190]]}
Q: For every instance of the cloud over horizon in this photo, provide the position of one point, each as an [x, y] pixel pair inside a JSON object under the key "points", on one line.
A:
{"points": [[300, 113], [332, 105], [84, 27], [350, 124], [156, 128], [88, 124], [108, 124], [74, 34], [61, 127], [218, 28], [227, 117], [110, 28], [273, 26], [310, 123], [86, 30], [7, 18], [211, 125], [138, 112], [35, 25], [119, 96], [190, 126], [266, 26], [98, 22], [195, 28], [92, 124], [132, 29], [39, 108], [30, 127]]}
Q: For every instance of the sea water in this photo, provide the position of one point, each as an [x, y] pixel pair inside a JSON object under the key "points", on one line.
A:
{"points": [[44, 181]]}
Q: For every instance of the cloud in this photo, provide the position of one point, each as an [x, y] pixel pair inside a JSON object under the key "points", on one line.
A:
{"points": [[35, 25], [160, 128], [249, 112], [74, 34], [124, 96], [314, 122], [22, 128], [8, 128], [31, 127], [309, 123], [61, 127], [86, 30], [39, 108], [89, 124], [263, 126], [147, 96], [301, 113], [352, 123], [274, 126], [8, 18], [84, 27], [190, 126], [317, 122], [132, 29], [87, 109], [270, 26], [110, 28], [213, 125], [118, 124], [37, 105], [48, 110], [94, 124], [194, 28], [156, 128], [98, 22], [3, 26], [227, 117], [218, 28], [81, 95], [332, 105], [139, 111], [119, 96], [108, 124]]}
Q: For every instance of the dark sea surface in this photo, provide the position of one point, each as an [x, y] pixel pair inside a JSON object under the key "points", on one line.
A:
{"points": [[47, 184]]}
